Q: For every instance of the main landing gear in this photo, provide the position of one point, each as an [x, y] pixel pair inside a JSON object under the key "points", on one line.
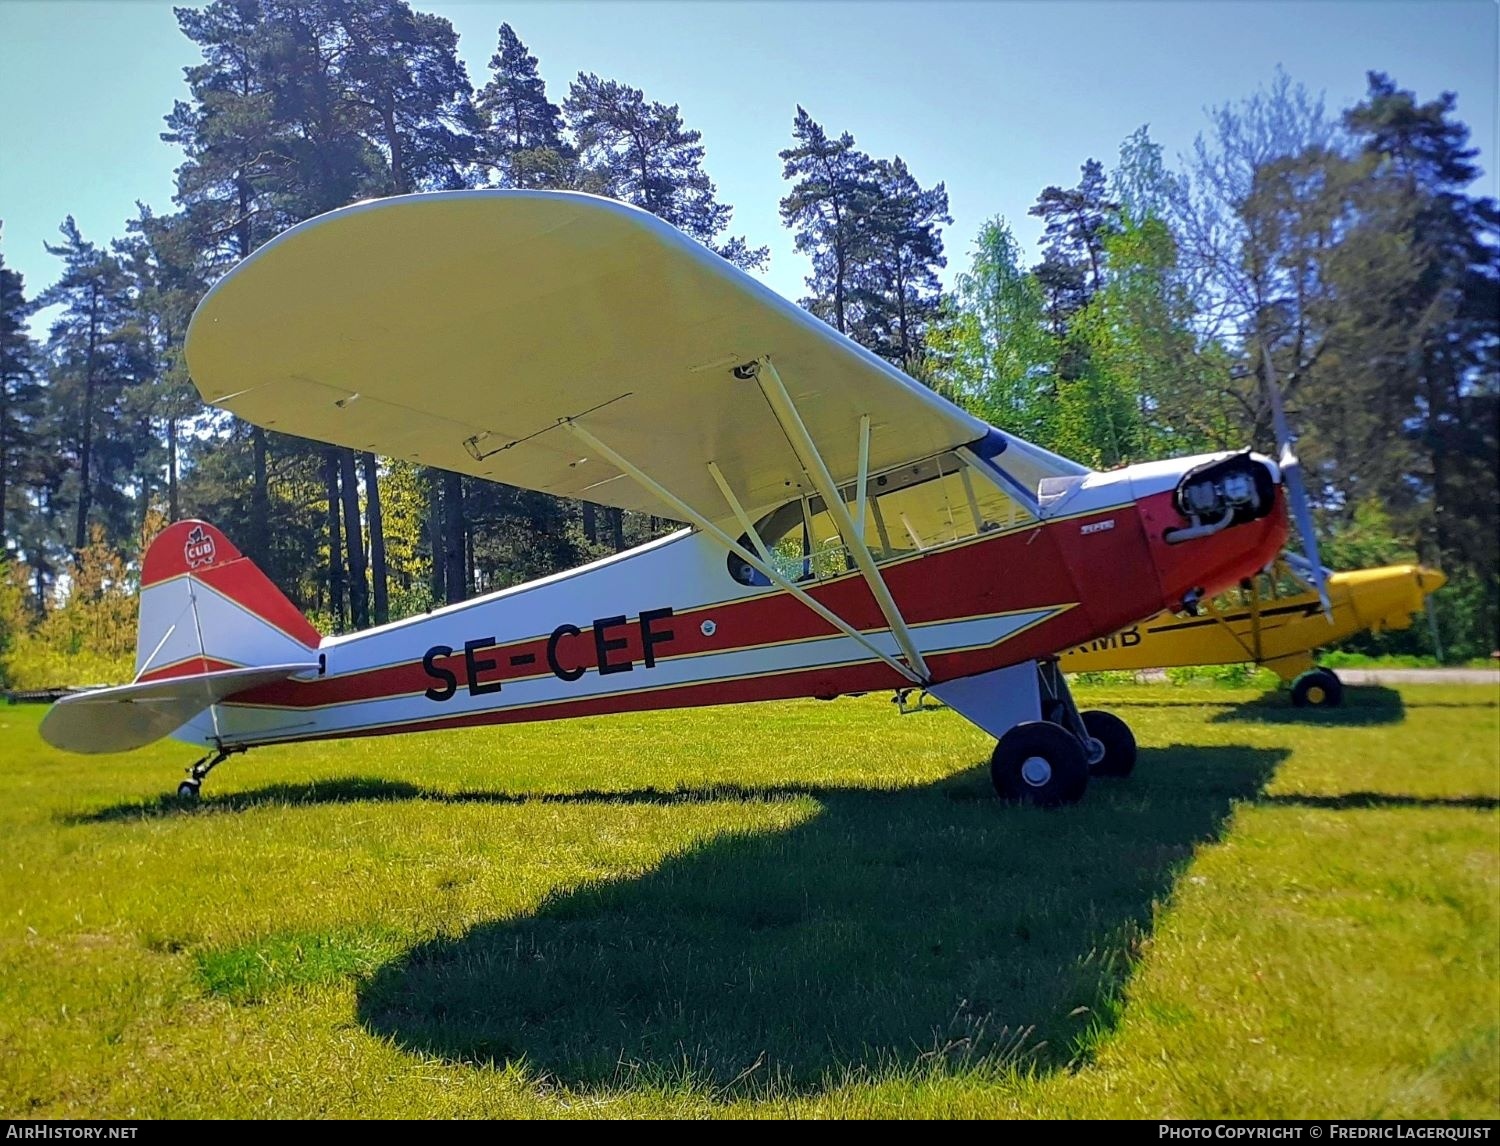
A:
{"points": [[190, 788], [1048, 762], [1319, 688]]}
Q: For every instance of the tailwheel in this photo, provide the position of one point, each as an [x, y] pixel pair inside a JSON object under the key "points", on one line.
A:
{"points": [[1114, 735], [190, 788], [1039, 763], [1320, 688]]}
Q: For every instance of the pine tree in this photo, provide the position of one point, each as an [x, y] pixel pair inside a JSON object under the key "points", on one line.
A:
{"points": [[166, 283], [1077, 222], [899, 255], [836, 182], [96, 352], [20, 403], [523, 129], [1450, 312], [403, 71], [229, 184], [641, 152]]}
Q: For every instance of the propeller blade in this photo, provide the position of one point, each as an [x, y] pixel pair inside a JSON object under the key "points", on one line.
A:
{"points": [[1296, 496], [1296, 491]]}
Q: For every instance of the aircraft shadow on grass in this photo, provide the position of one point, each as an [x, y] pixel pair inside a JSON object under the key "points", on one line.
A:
{"points": [[892, 929], [1363, 705], [370, 790]]}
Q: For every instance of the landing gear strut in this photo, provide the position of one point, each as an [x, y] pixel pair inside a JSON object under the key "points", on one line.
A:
{"points": [[189, 788], [1047, 749]]}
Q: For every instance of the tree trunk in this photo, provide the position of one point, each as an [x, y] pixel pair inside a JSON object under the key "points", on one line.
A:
{"points": [[590, 523], [453, 537], [86, 439], [469, 586], [438, 581], [335, 539], [260, 502], [354, 542], [4, 458], [376, 519], [393, 141], [617, 526], [174, 507]]}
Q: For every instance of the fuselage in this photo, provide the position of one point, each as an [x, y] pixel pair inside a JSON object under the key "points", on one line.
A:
{"points": [[666, 625]]}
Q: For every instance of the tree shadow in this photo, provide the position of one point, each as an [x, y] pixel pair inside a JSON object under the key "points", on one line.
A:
{"points": [[1362, 705], [896, 928], [1345, 800]]}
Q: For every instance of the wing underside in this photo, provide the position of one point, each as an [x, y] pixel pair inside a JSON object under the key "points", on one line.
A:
{"points": [[457, 329]]}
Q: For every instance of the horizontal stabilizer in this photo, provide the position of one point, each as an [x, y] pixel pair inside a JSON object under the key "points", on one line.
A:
{"points": [[133, 715]]}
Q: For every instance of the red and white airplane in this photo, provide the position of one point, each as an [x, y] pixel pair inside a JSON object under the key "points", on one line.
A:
{"points": [[849, 530]]}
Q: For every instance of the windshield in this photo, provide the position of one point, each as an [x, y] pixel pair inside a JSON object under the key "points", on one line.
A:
{"points": [[908, 510]]}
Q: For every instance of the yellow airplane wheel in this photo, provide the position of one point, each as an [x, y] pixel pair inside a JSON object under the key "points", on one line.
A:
{"points": [[1320, 688]]}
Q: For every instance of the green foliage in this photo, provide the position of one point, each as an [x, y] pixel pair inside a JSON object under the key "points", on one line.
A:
{"points": [[1366, 538], [1105, 678], [1223, 676], [86, 638], [991, 349]]}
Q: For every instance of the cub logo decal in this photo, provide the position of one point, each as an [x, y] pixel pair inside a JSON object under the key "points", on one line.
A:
{"points": [[199, 549]]}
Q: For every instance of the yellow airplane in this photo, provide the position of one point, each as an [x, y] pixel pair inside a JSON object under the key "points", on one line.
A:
{"points": [[1263, 626]]}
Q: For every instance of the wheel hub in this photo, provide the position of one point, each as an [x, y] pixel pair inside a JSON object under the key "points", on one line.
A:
{"points": [[1316, 694], [1036, 771]]}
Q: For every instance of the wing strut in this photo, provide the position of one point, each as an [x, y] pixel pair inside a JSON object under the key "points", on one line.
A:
{"points": [[815, 468], [688, 513]]}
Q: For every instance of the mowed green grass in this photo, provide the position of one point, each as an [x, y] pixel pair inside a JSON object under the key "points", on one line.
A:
{"points": [[791, 909]]}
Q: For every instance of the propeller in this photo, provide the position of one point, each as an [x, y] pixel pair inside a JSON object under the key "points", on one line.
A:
{"points": [[1296, 491]]}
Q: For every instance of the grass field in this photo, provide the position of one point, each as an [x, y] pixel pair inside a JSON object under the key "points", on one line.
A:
{"points": [[794, 909]]}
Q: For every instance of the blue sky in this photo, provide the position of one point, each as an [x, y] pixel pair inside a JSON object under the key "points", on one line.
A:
{"points": [[995, 98]]}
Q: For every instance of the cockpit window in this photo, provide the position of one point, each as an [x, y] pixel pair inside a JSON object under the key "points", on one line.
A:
{"points": [[908, 510]]}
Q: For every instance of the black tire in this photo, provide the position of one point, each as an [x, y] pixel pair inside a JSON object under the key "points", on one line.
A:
{"points": [[188, 789], [1039, 763], [1118, 741], [1319, 688]]}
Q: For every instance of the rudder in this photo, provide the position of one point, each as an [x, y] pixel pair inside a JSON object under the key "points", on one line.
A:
{"points": [[206, 607]]}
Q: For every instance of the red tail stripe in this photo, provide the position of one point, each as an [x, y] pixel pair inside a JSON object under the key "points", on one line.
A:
{"points": [[193, 666]]}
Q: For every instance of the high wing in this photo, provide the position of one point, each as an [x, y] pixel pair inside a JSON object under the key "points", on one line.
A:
{"points": [[456, 330]]}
